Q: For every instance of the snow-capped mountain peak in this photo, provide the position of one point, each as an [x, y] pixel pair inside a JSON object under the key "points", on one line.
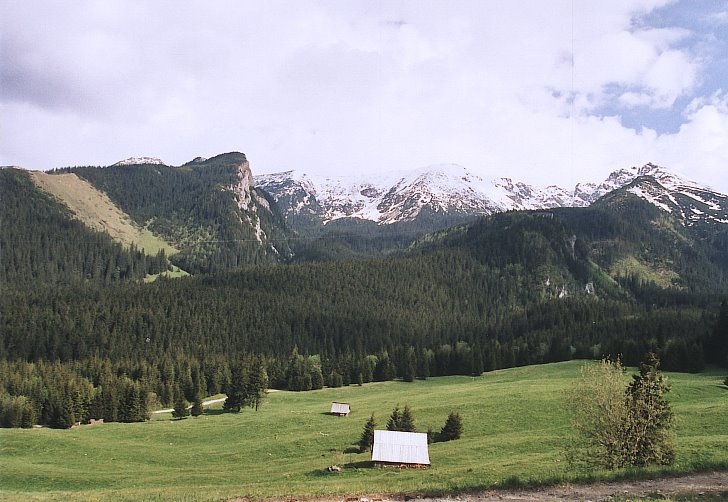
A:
{"points": [[688, 200], [454, 191], [133, 161]]}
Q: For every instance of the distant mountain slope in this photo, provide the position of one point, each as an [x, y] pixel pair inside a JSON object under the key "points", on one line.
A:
{"points": [[452, 191], [97, 211], [511, 288], [208, 209], [42, 243]]}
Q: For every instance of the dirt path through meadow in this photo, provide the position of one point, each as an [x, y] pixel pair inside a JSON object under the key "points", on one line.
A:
{"points": [[701, 484], [694, 484]]}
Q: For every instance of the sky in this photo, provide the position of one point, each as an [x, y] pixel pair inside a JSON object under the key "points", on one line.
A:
{"points": [[547, 92]]}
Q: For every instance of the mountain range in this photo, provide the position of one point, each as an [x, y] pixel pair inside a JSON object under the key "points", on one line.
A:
{"points": [[381, 269], [213, 214], [452, 190]]}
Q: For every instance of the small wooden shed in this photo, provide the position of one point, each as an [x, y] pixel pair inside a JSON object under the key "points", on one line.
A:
{"points": [[400, 449], [340, 409]]}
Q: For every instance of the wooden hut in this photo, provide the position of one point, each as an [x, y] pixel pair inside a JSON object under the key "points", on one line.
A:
{"points": [[340, 409]]}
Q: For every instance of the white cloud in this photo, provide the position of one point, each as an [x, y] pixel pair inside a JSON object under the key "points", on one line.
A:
{"points": [[337, 86]]}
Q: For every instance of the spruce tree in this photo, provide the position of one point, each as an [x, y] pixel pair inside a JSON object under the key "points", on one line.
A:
{"points": [[649, 416], [257, 383], [180, 407], [407, 420], [410, 365], [197, 408], [366, 441], [237, 391], [453, 427], [394, 419], [402, 421]]}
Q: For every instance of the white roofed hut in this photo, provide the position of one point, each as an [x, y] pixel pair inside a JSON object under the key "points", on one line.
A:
{"points": [[400, 449], [340, 409]]}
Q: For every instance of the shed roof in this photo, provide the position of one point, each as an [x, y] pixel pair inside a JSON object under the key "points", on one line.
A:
{"points": [[340, 408], [400, 447]]}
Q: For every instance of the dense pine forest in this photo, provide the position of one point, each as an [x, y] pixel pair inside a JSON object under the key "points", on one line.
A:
{"points": [[82, 336]]}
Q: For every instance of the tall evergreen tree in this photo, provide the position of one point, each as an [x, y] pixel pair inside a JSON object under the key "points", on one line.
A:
{"points": [[650, 417], [237, 391], [180, 406], [453, 427], [366, 441], [394, 419], [180, 409], [407, 420], [717, 346], [257, 383], [402, 421], [197, 408]]}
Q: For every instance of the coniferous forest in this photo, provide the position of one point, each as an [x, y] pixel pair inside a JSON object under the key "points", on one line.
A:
{"points": [[82, 336]]}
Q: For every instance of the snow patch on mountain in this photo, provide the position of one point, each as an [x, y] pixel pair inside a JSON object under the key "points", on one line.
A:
{"points": [[451, 189], [135, 161], [688, 200]]}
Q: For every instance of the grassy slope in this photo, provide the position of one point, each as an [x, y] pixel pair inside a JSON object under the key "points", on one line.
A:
{"points": [[97, 211], [514, 422]]}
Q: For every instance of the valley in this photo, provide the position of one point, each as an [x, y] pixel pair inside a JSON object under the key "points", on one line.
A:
{"points": [[487, 308]]}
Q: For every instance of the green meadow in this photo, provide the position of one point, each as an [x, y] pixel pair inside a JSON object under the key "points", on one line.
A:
{"points": [[515, 430]]}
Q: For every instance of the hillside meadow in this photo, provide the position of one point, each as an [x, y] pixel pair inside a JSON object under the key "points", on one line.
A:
{"points": [[515, 429]]}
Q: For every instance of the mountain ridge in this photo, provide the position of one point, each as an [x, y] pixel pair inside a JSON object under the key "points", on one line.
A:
{"points": [[452, 189]]}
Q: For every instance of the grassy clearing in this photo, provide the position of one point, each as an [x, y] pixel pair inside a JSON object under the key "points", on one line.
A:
{"points": [[176, 272], [97, 211], [515, 430], [661, 276]]}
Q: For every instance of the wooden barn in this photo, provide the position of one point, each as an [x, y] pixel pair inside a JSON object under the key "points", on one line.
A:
{"points": [[340, 409], [400, 449]]}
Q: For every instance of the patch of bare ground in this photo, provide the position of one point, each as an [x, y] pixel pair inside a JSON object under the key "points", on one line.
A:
{"points": [[698, 485]]}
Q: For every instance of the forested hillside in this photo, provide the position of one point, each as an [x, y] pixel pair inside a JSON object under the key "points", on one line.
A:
{"points": [[42, 246], [198, 207], [511, 289]]}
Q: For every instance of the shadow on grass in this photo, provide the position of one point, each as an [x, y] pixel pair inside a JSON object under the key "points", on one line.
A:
{"points": [[364, 464], [216, 411], [352, 449], [350, 467]]}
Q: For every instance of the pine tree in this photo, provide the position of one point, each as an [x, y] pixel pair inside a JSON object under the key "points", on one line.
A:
{"points": [[367, 436], [410, 365], [180, 407], [197, 408], [394, 419], [257, 383], [453, 427], [407, 421], [335, 379], [237, 395], [402, 421], [717, 346], [649, 416]]}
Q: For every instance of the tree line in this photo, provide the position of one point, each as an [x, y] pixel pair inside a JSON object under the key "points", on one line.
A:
{"points": [[471, 299]]}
